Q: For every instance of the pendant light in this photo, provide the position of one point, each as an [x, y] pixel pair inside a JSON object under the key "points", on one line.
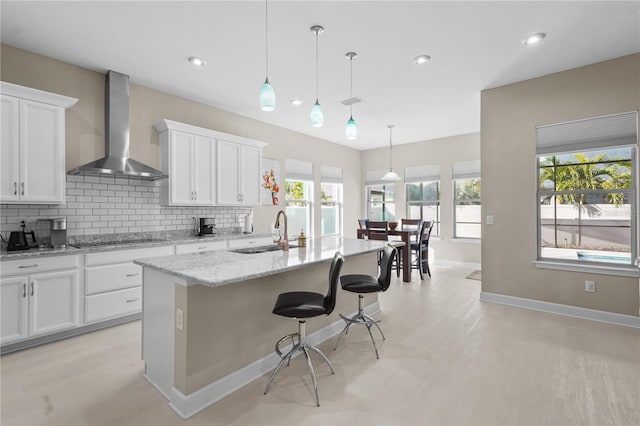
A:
{"points": [[351, 130], [390, 175], [317, 116], [267, 95]]}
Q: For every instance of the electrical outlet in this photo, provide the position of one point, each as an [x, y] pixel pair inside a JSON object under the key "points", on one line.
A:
{"points": [[490, 219], [590, 286], [179, 319]]}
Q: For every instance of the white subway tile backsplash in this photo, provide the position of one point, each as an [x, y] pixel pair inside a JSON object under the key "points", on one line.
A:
{"points": [[104, 205]]}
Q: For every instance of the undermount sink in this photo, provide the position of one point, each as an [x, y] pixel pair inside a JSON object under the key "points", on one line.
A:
{"points": [[260, 249]]}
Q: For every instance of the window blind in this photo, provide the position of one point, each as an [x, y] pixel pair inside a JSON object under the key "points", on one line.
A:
{"points": [[591, 133], [299, 170], [330, 174], [466, 169], [374, 177], [422, 173]]}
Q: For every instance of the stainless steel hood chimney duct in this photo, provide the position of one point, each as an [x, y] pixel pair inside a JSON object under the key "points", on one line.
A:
{"points": [[117, 163]]}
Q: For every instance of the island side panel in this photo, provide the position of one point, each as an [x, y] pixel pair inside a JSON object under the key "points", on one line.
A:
{"points": [[158, 306], [231, 326]]}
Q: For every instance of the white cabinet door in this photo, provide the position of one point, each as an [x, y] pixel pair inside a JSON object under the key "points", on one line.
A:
{"points": [[180, 169], [251, 163], [191, 173], [13, 309], [41, 138], [228, 174], [9, 178], [238, 174], [204, 175], [53, 302]]}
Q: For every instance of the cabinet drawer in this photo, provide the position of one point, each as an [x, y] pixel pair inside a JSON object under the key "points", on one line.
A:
{"points": [[112, 304], [38, 264], [99, 279], [204, 246], [250, 242], [120, 256]]}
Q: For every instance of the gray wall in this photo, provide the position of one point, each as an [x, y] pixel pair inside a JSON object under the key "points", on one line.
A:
{"points": [[508, 151]]}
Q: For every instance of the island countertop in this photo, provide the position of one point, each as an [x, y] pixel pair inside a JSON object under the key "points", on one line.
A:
{"points": [[221, 267]]}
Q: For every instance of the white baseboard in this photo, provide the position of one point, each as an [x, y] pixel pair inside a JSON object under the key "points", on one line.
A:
{"points": [[445, 262], [556, 308], [188, 405]]}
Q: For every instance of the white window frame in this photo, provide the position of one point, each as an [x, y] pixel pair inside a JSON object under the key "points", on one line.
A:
{"points": [[463, 171], [579, 136]]}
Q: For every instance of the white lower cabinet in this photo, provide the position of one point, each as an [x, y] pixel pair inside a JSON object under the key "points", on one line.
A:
{"points": [[113, 304], [39, 303], [113, 283]]}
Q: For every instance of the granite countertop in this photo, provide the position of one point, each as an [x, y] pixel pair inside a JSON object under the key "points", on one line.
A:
{"points": [[37, 252], [221, 267], [106, 245]]}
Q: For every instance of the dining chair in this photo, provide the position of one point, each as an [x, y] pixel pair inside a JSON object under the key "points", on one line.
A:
{"points": [[362, 223], [378, 230], [421, 249]]}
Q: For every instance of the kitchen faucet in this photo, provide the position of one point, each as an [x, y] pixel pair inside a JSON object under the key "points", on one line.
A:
{"points": [[280, 242]]}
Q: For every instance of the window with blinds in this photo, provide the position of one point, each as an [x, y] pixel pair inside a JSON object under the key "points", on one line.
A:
{"points": [[586, 192], [299, 196], [422, 184], [330, 200]]}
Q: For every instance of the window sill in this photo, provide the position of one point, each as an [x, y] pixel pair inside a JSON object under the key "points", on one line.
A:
{"points": [[467, 240], [618, 270]]}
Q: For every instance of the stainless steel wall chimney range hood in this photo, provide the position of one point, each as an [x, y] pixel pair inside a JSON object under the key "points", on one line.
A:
{"points": [[117, 163]]}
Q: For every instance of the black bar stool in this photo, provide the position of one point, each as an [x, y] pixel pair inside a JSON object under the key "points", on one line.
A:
{"points": [[359, 283], [306, 304]]}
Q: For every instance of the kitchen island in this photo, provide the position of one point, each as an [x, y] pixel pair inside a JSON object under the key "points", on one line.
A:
{"points": [[207, 326]]}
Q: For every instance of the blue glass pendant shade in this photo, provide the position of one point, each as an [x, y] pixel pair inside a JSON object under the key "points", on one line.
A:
{"points": [[317, 116], [267, 97], [352, 129]]}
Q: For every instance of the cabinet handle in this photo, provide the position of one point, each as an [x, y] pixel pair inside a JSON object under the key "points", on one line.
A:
{"points": [[202, 248], [196, 195], [24, 289], [15, 188], [132, 275], [32, 288], [132, 300], [27, 266], [22, 188]]}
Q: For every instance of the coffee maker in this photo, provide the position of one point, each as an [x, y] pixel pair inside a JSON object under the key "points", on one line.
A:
{"points": [[204, 226], [18, 239], [53, 232]]}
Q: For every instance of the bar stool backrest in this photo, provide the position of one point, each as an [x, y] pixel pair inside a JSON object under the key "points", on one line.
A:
{"points": [[334, 277], [386, 264]]}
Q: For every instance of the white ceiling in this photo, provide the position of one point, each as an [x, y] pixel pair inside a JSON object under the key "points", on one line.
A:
{"points": [[474, 45]]}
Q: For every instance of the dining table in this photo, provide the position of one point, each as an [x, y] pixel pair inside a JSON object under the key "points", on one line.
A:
{"points": [[405, 252]]}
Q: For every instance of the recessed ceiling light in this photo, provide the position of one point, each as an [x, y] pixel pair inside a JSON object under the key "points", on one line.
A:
{"points": [[196, 61], [296, 102], [533, 39], [421, 59]]}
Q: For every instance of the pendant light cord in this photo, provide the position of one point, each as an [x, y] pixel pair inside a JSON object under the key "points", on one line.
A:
{"points": [[390, 148], [317, 65], [351, 85], [266, 39]]}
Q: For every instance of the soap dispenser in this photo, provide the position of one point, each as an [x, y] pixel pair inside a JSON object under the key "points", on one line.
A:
{"points": [[302, 239]]}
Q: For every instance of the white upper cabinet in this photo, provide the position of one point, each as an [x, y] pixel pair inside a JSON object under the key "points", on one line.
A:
{"points": [[191, 177], [207, 167], [32, 146], [238, 174]]}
